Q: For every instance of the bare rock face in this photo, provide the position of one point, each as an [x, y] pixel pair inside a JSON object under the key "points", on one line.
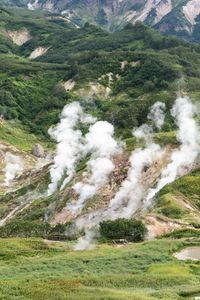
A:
{"points": [[180, 17], [39, 51], [38, 150], [69, 85], [191, 10], [19, 37]]}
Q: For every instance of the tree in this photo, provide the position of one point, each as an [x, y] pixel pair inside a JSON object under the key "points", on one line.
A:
{"points": [[149, 86]]}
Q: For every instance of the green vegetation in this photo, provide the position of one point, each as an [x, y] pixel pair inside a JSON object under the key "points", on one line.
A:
{"points": [[167, 206], [35, 269], [180, 201], [14, 133], [184, 233], [21, 228], [186, 187], [32, 90], [189, 187], [131, 230]]}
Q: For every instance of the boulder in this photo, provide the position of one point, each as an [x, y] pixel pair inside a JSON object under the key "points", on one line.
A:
{"points": [[38, 150]]}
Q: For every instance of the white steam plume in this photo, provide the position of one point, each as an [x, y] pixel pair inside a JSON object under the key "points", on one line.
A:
{"points": [[86, 242], [143, 132], [132, 192], [157, 114], [183, 158], [30, 6], [14, 166], [102, 146], [70, 147], [126, 201]]}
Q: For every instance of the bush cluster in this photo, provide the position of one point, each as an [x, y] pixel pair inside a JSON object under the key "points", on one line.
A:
{"points": [[131, 230]]}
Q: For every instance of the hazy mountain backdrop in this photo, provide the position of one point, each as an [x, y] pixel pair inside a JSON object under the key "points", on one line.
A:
{"points": [[179, 17]]}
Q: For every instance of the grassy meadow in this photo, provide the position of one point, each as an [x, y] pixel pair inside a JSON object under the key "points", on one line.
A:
{"points": [[34, 269]]}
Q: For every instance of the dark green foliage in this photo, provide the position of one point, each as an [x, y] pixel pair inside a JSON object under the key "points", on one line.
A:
{"points": [[150, 69], [32, 91], [25, 229], [131, 230], [21, 228]]}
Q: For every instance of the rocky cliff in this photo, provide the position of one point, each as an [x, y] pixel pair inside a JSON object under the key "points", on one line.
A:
{"points": [[172, 17]]}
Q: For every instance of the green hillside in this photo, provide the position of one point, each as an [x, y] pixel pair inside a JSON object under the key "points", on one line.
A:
{"points": [[145, 67]]}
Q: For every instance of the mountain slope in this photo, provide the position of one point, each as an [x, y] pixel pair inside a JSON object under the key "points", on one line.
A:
{"points": [[116, 77], [77, 62], [171, 17]]}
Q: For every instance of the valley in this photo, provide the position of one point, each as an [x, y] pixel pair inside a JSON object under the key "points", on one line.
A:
{"points": [[99, 134]]}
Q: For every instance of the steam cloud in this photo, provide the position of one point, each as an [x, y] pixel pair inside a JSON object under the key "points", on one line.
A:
{"points": [[14, 166], [102, 146], [128, 199], [183, 158], [131, 194], [86, 241], [70, 147], [99, 142], [30, 6], [157, 114]]}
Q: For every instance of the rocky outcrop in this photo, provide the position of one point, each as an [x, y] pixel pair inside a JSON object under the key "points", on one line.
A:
{"points": [[39, 51], [69, 85], [94, 89], [38, 150], [19, 37], [171, 17], [191, 10], [163, 8]]}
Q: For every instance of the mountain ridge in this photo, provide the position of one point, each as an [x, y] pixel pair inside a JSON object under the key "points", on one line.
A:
{"points": [[180, 18]]}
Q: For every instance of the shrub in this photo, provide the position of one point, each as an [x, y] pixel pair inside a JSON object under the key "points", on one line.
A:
{"points": [[132, 230], [21, 228]]}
